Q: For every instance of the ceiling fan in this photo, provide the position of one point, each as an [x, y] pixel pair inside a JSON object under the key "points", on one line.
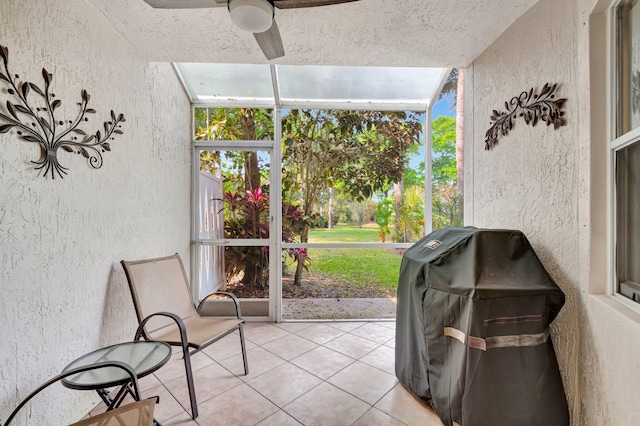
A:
{"points": [[257, 16]]}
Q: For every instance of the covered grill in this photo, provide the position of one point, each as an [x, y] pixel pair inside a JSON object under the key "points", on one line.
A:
{"points": [[472, 329]]}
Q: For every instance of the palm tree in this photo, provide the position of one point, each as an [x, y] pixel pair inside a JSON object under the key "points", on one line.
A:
{"points": [[454, 85]]}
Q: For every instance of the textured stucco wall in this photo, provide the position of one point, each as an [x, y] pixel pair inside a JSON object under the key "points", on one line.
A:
{"points": [[550, 184], [60, 238]]}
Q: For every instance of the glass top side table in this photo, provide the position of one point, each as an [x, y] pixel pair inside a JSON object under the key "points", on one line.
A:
{"points": [[144, 357]]}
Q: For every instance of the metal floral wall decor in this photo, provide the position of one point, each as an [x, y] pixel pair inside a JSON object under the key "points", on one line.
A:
{"points": [[32, 112], [532, 107]]}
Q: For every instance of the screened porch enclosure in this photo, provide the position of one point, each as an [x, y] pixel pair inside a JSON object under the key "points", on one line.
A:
{"points": [[311, 183]]}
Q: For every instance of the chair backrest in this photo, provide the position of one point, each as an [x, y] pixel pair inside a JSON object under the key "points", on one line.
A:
{"points": [[159, 285], [138, 413]]}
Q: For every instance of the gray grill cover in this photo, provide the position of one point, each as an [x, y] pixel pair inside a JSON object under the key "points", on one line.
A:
{"points": [[472, 329]]}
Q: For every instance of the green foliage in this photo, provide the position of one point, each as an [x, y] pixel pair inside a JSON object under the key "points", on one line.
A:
{"points": [[413, 177], [365, 151], [359, 211], [444, 150], [406, 221], [446, 206], [247, 217], [358, 154], [450, 88], [409, 226], [362, 151], [446, 200], [233, 124], [384, 213]]}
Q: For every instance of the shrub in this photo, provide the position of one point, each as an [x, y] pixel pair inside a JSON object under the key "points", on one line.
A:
{"points": [[247, 217]]}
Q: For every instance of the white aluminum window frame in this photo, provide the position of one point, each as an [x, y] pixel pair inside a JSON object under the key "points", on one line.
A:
{"points": [[275, 230], [615, 144]]}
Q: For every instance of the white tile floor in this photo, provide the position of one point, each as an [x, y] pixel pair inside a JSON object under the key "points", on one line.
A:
{"points": [[335, 373]]}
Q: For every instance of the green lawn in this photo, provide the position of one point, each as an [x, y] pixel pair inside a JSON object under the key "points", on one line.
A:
{"points": [[376, 267], [345, 234]]}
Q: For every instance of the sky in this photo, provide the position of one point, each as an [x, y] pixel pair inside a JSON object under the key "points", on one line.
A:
{"points": [[441, 107]]}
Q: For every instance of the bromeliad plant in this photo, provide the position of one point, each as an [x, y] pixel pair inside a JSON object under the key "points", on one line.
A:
{"points": [[247, 217], [37, 122]]}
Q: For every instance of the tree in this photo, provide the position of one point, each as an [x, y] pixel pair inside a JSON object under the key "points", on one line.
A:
{"points": [[446, 199], [413, 177], [384, 212], [460, 135], [381, 141], [399, 140], [364, 151], [235, 124], [454, 86], [446, 206], [246, 196], [410, 222], [444, 150]]}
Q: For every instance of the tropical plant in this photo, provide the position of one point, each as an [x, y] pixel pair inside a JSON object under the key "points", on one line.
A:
{"points": [[446, 206], [384, 213], [247, 217], [410, 225], [294, 222]]}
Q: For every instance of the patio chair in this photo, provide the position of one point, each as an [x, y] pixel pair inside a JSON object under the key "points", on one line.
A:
{"points": [[138, 413], [166, 312]]}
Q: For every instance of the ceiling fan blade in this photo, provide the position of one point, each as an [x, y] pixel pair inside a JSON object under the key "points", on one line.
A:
{"points": [[295, 4], [270, 42], [184, 4]]}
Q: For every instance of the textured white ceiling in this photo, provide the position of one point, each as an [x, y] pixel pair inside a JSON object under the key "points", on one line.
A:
{"points": [[425, 33]]}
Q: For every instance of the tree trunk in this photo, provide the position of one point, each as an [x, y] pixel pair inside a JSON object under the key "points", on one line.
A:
{"points": [[251, 170], [398, 190], [360, 211], [460, 136], [331, 195], [308, 207], [304, 237]]}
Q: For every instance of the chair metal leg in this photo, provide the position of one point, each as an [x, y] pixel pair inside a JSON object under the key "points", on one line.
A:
{"points": [[192, 390], [244, 351]]}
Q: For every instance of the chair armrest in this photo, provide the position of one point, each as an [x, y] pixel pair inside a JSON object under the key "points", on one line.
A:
{"points": [[71, 372], [225, 293], [183, 330]]}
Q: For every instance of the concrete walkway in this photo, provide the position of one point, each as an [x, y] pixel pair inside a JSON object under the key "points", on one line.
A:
{"points": [[379, 308]]}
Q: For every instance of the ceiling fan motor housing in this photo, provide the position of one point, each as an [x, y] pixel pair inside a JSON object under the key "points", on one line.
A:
{"points": [[255, 16]]}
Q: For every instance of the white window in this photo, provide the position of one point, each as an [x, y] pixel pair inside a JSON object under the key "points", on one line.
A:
{"points": [[625, 148]]}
